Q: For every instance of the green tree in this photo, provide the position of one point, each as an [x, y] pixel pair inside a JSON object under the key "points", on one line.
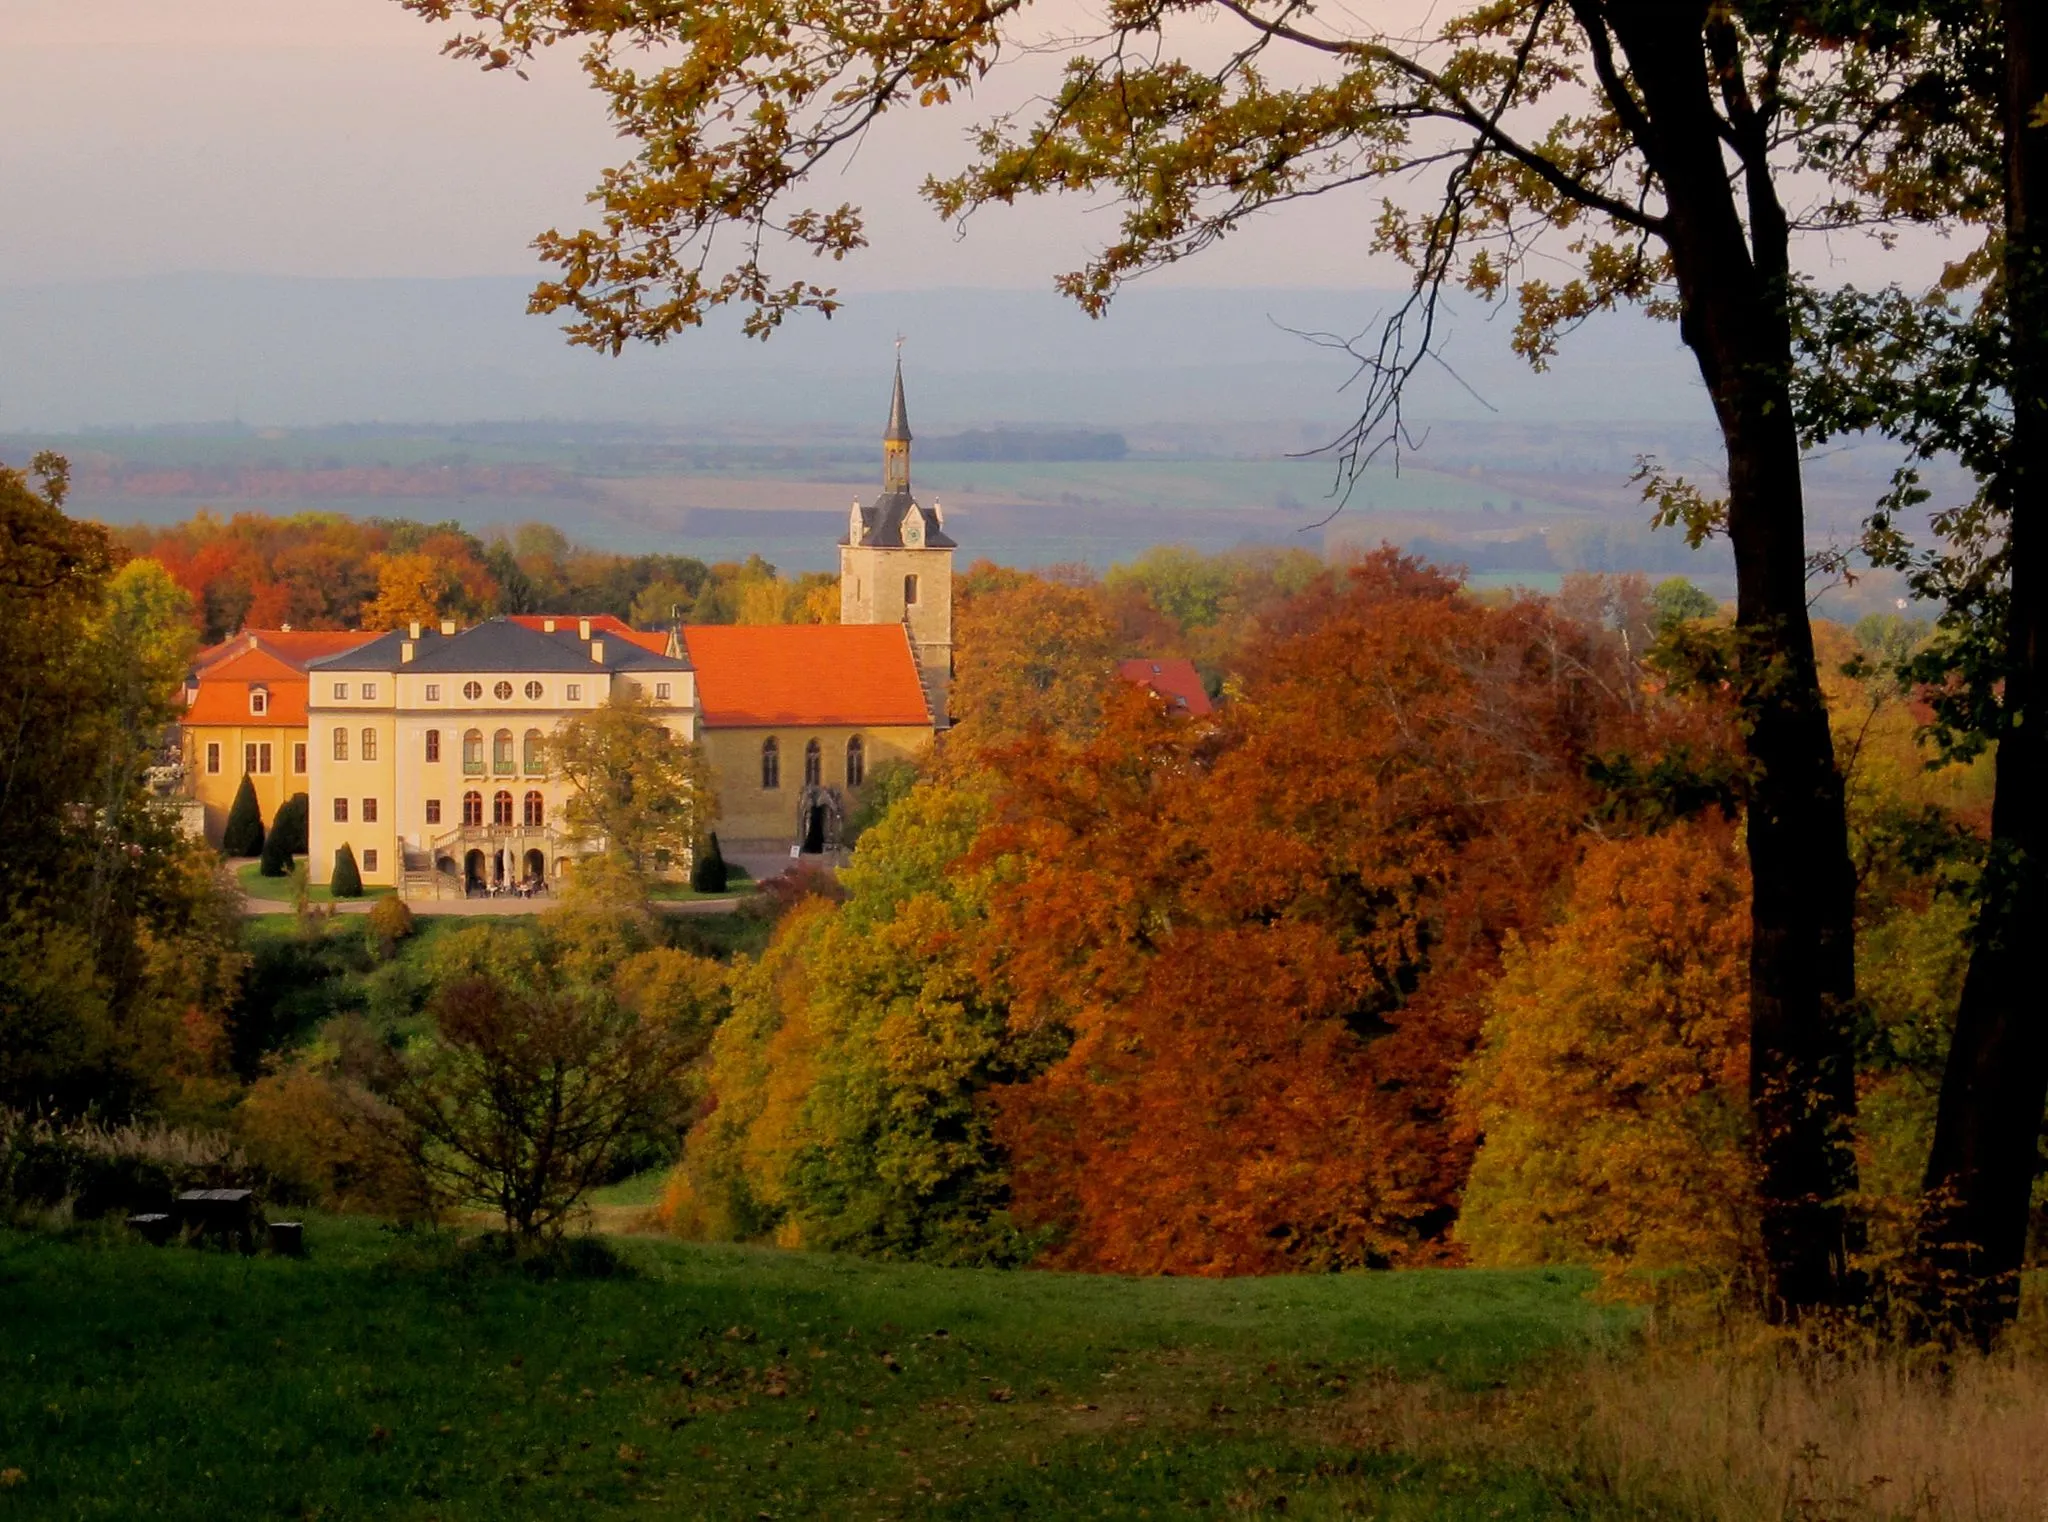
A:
{"points": [[347, 881], [243, 834], [707, 873], [1678, 601], [639, 791], [286, 838]]}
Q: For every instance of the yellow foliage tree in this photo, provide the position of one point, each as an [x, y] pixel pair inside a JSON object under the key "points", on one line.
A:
{"points": [[1609, 1092], [411, 589]]}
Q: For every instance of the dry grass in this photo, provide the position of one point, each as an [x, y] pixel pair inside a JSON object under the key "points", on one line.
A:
{"points": [[1759, 1432]]}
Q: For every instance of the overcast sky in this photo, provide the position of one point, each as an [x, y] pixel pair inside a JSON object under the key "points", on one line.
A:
{"points": [[328, 137]]}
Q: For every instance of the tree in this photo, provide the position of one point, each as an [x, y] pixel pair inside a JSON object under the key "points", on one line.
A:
{"points": [[286, 838], [347, 881], [413, 588], [1031, 654], [707, 874], [1609, 1091], [243, 833], [1646, 142], [639, 791], [1678, 601], [526, 1095]]}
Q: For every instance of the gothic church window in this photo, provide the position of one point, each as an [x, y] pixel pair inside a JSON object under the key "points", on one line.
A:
{"points": [[814, 764], [856, 762], [910, 591], [771, 764]]}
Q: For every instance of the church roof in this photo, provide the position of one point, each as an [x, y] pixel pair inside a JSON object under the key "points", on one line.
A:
{"points": [[500, 644], [881, 521], [898, 431], [761, 675]]}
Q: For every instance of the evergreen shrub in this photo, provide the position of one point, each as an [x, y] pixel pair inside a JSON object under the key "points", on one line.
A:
{"points": [[708, 874], [347, 881], [244, 833]]}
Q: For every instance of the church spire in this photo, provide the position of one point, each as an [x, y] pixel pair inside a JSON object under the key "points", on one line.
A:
{"points": [[896, 437]]}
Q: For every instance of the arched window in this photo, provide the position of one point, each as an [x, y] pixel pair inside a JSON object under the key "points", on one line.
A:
{"points": [[501, 751], [472, 808], [536, 809], [340, 744], [501, 808], [910, 591], [473, 750], [369, 745], [814, 764], [856, 762], [536, 747], [771, 764], [433, 745]]}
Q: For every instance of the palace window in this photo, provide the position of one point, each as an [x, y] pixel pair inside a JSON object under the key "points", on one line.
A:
{"points": [[341, 811], [340, 744], [536, 747], [501, 808], [341, 691], [534, 691], [575, 693], [473, 751], [910, 591], [433, 692], [536, 809], [369, 745], [259, 701], [369, 692], [433, 745], [661, 692], [472, 690], [370, 860], [433, 811], [502, 692], [256, 759], [369, 811], [299, 758], [856, 762], [814, 764], [771, 764], [501, 751], [472, 808], [213, 757]]}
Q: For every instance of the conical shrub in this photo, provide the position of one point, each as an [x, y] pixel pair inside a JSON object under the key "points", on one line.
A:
{"points": [[347, 882], [244, 833], [708, 874]]}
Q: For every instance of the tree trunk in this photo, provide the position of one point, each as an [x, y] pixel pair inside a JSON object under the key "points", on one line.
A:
{"points": [[1980, 1174], [1733, 289]]}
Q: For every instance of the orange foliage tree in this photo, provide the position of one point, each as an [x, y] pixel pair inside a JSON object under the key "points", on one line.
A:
{"points": [[1268, 935], [1611, 1091]]}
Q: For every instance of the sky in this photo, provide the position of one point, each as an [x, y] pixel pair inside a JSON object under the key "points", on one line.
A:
{"points": [[329, 138]]}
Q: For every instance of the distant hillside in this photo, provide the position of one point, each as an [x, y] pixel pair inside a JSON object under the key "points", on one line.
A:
{"points": [[196, 349]]}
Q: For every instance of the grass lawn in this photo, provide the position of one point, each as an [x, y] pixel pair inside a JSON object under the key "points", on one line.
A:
{"points": [[384, 1378], [737, 885], [278, 890]]}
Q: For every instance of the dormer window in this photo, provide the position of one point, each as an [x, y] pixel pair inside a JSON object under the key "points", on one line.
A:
{"points": [[259, 701]]}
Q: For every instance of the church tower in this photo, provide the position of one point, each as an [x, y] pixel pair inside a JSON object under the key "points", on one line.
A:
{"points": [[896, 561]]}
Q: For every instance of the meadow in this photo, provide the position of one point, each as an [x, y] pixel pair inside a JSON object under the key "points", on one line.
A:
{"points": [[403, 1375]]}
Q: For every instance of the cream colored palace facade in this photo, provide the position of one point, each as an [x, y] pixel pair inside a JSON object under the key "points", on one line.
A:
{"points": [[426, 748]]}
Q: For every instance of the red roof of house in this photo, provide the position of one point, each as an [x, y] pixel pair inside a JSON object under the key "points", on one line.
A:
{"points": [[1177, 681], [293, 646], [600, 623], [222, 695], [752, 675]]}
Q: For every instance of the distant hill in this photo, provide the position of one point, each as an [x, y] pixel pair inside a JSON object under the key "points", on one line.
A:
{"points": [[193, 349]]}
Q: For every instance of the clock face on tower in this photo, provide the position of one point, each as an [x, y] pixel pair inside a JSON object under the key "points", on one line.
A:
{"points": [[913, 527]]}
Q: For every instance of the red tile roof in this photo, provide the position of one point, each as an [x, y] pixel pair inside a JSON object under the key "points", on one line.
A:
{"points": [[294, 646], [223, 691], [1175, 680], [818, 674], [601, 624]]}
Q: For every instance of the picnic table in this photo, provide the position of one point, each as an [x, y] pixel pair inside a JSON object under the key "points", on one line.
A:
{"points": [[228, 1215]]}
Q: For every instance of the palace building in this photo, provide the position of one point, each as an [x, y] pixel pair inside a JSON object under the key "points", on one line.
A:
{"points": [[423, 749]]}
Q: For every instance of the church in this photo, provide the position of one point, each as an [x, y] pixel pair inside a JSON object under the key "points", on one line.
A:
{"points": [[423, 749]]}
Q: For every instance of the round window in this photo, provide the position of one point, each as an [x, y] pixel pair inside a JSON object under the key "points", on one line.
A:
{"points": [[503, 692], [533, 690], [472, 690]]}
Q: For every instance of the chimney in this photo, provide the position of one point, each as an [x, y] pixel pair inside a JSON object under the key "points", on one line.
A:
{"points": [[447, 626], [405, 647], [547, 626], [415, 632], [583, 628], [597, 651]]}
